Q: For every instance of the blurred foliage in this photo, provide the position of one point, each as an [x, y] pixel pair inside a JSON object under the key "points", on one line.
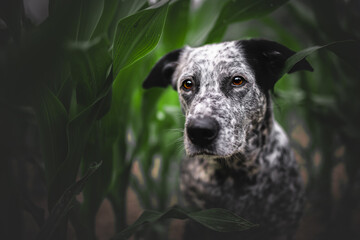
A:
{"points": [[80, 71], [217, 219]]}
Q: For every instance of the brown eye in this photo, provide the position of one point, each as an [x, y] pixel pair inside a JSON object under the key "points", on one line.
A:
{"points": [[187, 84], [237, 81]]}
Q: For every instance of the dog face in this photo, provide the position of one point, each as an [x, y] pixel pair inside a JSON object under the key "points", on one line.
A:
{"points": [[223, 90], [220, 98]]}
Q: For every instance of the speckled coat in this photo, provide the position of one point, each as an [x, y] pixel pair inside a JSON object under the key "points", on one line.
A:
{"points": [[249, 168]]}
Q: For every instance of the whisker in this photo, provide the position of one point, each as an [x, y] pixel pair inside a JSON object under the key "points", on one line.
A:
{"points": [[176, 141], [179, 115], [180, 148], [178, 130]]}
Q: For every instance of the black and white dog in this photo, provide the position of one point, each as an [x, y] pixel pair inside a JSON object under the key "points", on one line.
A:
{"points": [[238, 157]]}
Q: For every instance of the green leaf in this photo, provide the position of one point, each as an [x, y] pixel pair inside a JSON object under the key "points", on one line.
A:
{"points": [[89, 15], [176, 26], [148, 110], [137, 35], [124, 9], [217, 219], [113, 11], [123, 115], [110, 7], [64, 204], [241, 10], [221, 220], [90, 63], [202, 19], [78, 132], [297, 57], [53, 120], [98, 148], [121, 112]]}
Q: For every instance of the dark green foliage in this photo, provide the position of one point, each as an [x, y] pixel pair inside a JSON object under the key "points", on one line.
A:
{"points": [[241, 10], [137, 35], [81, 72], [217, 219], [64, 204]]}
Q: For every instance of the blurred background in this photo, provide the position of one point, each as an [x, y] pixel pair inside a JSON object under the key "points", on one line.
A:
{"points": [[71, 96]]}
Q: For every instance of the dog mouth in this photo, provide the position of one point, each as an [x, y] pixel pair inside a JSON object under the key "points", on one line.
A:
{"points": [[208, 153], [203, 153], [211, 153]]}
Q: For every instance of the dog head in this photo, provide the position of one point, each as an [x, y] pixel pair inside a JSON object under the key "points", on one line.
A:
{"points": [[223, 90]]}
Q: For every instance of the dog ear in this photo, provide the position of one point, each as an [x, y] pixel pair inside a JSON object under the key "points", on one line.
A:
{"points": [[161, 74], [267, 58]]}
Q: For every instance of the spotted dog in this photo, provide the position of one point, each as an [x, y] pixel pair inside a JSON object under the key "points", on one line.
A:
{"points": [[237, 155]]}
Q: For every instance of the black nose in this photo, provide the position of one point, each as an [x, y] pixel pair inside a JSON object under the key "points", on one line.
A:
{"points": [[202, 131]]}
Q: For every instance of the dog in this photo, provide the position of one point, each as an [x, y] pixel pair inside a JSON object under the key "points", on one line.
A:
{"points": [[237, 156]]}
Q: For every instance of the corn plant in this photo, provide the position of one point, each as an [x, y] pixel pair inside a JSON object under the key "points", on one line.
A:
{"points": [[80, 72]]}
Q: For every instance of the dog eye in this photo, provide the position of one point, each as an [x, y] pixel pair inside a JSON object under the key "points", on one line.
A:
{"points": [[238, 81], [187, 84]]}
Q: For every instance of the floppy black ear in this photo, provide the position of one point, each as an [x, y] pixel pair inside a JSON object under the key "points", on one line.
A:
{"points": [[267, 59], [161, 74]]}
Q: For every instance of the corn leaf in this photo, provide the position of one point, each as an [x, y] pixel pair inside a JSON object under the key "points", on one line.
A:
{"points": [[137, 35], [90, 12], [64, 204], [98, 148], [78, 131], [90, 63], [217, 219], [176, 25], [201, 20], [113, 11], [241, 10], [53, 120], [297, 57]]}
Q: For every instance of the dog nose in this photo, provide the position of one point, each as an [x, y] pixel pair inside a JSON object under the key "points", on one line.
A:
{"points": [[202, 131]]}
